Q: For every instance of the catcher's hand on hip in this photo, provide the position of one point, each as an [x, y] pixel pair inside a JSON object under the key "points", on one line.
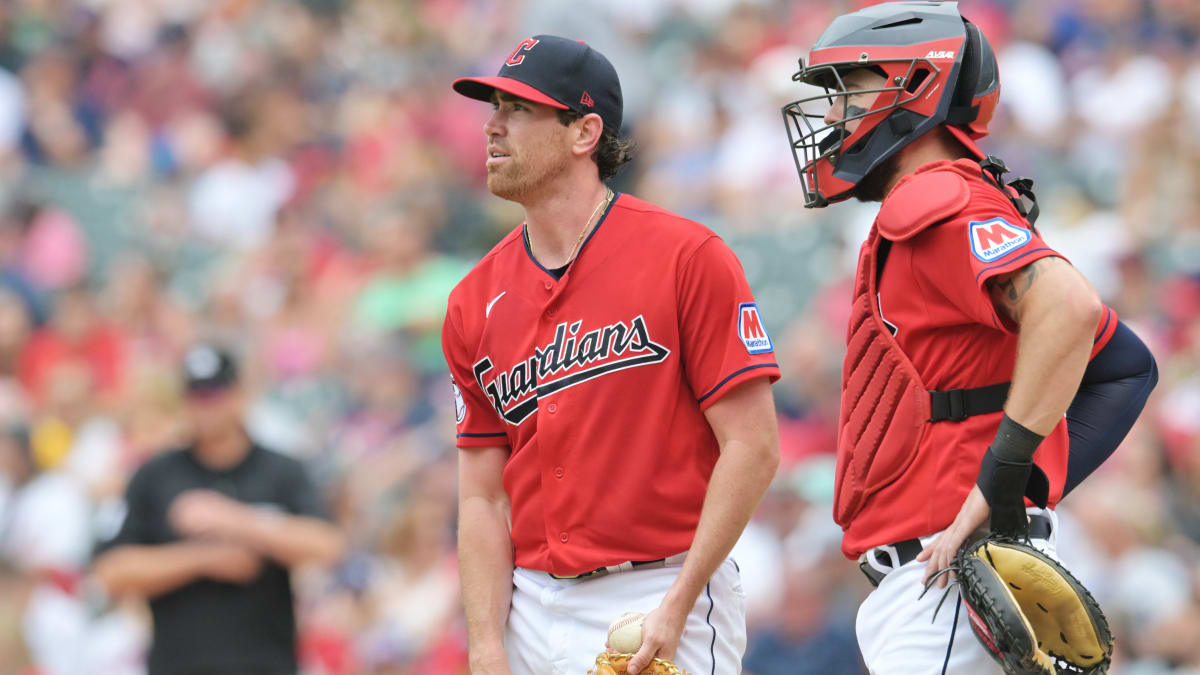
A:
{"points": [[944, 549], [661, 631]]}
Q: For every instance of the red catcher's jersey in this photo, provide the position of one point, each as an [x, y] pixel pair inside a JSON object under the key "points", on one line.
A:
{"points": [[933, 298], [598, 383]]}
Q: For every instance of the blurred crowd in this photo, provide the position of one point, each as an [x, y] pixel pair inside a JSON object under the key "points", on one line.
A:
{"points": [[296, 180]]}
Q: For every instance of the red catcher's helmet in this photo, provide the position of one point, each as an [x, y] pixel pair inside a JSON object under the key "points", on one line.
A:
{"points": [[939, 67]]}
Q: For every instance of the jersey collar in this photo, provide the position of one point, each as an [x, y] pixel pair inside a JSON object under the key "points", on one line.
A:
{"points": [[529, 252]]}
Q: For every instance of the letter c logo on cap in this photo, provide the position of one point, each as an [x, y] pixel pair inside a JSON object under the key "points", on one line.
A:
{"points": [[517, 57]]}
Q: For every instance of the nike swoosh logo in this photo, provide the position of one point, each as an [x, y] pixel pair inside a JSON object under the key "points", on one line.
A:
{"points": [[487, 311]]}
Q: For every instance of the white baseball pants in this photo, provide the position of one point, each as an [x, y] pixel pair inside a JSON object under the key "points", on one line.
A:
{"points": [[558, 626], [898, 634]]}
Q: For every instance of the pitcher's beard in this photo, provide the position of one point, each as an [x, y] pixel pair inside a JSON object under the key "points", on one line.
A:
{"points": [[518, 183]]}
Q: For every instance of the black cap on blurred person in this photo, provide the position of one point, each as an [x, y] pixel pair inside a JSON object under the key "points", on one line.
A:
{"points": [[558, 72], [208, 369]]}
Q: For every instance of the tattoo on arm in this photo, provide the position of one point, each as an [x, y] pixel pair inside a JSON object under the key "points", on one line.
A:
{"points": [[1008, 291]]}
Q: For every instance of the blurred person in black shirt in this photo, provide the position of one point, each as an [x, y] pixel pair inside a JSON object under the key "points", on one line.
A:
{"points": [[209, 535]]}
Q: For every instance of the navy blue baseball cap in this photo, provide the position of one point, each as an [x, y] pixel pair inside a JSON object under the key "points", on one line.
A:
{"points": [[558, 72]]}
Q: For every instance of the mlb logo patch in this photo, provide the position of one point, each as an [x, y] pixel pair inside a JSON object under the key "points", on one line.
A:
{"points": [[460, 406], [996, 238], [751, 330]]}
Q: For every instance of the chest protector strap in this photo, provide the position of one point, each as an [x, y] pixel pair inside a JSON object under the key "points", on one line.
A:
{"points": [[959, 404]]}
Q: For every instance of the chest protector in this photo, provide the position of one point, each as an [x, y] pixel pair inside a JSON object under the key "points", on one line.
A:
{"points": [[885, 406], [884, 403]]}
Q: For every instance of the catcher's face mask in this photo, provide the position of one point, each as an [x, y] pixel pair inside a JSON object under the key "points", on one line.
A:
{"points": [[831, 132], [936, 69]]}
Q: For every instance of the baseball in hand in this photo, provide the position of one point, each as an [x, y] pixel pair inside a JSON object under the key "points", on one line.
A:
{"points": [[625, 633]]}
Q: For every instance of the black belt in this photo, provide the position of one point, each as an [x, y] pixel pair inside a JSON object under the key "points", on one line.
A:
{"points": [[959, 404], [907, 550], [600, 571]]}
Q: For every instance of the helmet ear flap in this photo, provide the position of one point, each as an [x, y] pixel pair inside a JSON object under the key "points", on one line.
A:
{"points": [[968, 77], [976, 78], [987, 77]]}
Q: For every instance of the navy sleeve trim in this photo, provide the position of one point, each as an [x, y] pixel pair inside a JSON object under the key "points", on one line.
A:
{"points": [[1006, 263], [479, 435], [725, 381], [1108, 313]]}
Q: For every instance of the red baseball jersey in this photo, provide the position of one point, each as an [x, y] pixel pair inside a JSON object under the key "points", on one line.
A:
{"points": [[934, 299], [598, 382]]}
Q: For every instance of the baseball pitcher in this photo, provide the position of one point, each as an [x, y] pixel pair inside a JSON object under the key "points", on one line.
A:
{"points": [[612, 379]]}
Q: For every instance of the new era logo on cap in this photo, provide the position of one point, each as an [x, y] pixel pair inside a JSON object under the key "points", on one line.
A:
{"points": [[586, 99], [751, 330]]}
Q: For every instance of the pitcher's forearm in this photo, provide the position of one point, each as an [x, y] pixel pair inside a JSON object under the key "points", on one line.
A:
{"points": [[485, 559], [739, 481]]}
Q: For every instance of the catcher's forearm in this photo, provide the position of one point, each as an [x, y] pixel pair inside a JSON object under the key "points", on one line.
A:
{"points": [[738, 483], [1057, 316], [485, 564], [1056, 311]]}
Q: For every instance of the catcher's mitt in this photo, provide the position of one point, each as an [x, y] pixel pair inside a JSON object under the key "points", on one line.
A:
{"points": [[1029, 612], [610, 663]]}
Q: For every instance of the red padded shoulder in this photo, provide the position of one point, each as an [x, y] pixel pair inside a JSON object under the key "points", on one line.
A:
{"points": [[920, 200]]}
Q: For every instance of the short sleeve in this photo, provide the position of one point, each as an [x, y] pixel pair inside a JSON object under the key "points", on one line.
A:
{"points": [[136, 523], [722, 334], [478, 424], [956, 259]]}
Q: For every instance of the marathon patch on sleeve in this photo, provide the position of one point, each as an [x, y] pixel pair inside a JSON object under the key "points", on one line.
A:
{"points": [[752, 331], [996, 238]]}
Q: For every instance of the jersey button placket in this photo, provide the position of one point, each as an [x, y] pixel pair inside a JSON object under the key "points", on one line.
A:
{"points": [[563, 537], [559, 472], [552, 408]]}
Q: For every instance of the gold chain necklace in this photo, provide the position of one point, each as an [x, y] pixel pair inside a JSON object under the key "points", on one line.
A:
{"points": [[587, 226]]}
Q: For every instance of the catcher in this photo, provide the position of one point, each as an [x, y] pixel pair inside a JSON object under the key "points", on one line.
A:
{"points": [[983, 379]]}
